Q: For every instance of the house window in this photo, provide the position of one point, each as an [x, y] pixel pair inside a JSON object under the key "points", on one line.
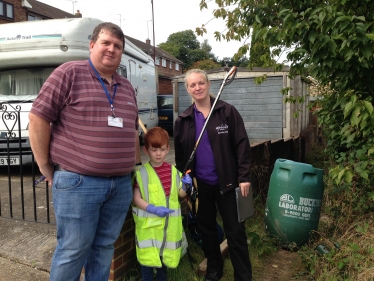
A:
{"points": [[164, 62], [31, 17], [157, 61], [6, 10], [171, 65], [177, 66]]}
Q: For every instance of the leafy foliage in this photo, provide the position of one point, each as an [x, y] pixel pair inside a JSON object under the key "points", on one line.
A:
{"points": [[170, 48], [207, 48], [184, 46], [205, 64], [241, 62], [259, 52], [332, 42], [235, 61]]}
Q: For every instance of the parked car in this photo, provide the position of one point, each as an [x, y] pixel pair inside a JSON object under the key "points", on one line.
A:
{"points": [[165, 112]]}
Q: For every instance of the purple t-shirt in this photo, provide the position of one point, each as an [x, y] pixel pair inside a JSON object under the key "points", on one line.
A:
{"points": [[73, 100], [205, 169]]}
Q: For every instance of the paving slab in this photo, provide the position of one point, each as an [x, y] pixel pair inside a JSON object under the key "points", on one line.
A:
{"points": [[10, 270], [26, 250]]}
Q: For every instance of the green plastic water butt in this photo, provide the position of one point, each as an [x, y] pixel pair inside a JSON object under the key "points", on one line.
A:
{"points": [[294, 202]]}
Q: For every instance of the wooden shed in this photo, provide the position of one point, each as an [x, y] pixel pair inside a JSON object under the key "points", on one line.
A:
{"points": [[266, 116]]}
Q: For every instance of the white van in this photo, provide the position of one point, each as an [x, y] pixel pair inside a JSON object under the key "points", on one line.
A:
{"points": [[31, 50]]}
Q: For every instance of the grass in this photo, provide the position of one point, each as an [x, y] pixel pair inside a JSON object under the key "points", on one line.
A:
{"points": [[317, 157], [350, 254], [346, 231]]}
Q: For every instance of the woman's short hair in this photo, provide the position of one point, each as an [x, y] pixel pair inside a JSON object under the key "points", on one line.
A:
{"points": [[195, 71]]}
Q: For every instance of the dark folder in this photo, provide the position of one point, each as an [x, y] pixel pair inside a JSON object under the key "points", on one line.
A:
{"points": [[244, 205]]}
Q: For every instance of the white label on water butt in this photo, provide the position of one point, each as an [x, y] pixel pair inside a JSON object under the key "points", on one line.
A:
{"points": [[305, 209]]}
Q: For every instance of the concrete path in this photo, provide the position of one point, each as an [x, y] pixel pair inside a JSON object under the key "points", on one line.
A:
{"points": [[26, 249]]}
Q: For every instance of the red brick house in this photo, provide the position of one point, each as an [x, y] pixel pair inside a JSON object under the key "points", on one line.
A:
{"points": [[26, 10], [167, 66]]}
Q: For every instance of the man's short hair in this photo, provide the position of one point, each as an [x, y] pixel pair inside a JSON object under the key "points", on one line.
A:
{"points": [[112, 28], [156, 137]]}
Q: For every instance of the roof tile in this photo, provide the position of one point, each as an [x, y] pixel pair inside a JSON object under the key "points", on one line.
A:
{"points": [[48, 11], [148, 48]]}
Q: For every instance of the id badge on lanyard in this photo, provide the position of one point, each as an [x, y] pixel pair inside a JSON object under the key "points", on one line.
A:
{"points": [[113, 121]]}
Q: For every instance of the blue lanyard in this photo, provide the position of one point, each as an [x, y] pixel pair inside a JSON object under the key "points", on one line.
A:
{"points": [[105, 89]]}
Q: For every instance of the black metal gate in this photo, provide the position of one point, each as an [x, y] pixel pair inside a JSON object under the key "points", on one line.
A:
{"points": [[22, 196]]}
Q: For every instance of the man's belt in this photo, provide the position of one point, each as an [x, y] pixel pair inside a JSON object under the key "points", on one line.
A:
{"points": [[58, 168]]}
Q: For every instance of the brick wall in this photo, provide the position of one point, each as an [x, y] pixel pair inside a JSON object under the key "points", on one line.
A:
{"points": [[19, 12], [164, 77], [167, 71], [164, 86], [124, 250]]}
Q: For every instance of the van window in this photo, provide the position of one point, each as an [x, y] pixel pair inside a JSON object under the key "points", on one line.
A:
{"points": [[165, 102], [17, 84], [122, 71], [132, 71]]}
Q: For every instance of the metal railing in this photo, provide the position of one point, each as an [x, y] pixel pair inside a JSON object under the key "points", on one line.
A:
{"points": [[21, 197]]}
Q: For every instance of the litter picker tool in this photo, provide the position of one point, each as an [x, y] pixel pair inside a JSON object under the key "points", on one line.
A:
{"points": [[142, 125], [193, 191]]}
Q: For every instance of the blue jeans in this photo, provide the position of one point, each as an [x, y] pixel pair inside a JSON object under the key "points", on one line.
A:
{"points": [[147, 273], [90, 212]]}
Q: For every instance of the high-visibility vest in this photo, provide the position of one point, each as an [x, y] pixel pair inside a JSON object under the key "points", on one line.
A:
{"points": [[155, 236]]}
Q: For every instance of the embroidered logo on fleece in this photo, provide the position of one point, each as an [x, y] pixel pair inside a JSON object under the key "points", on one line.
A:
{"points": [[223, 129]]}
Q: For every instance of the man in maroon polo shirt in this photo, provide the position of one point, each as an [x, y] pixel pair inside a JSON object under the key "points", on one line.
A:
{"points": [[83, 133]]}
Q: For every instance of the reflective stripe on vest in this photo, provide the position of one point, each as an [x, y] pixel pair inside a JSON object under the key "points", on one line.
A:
{"points": [[144, 175], [158, 244]]}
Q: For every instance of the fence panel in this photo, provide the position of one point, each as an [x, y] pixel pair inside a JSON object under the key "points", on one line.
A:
{"points": [[265, 154]]}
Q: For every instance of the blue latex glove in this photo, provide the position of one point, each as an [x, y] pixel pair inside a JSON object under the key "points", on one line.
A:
{"points": [[160, 211], [187, 182]]}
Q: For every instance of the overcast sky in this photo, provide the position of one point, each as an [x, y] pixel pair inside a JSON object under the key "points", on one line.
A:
{"points": [[170, 16]]}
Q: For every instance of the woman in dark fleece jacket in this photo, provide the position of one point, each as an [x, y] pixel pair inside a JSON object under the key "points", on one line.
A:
{"points": [[222, 162]]}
